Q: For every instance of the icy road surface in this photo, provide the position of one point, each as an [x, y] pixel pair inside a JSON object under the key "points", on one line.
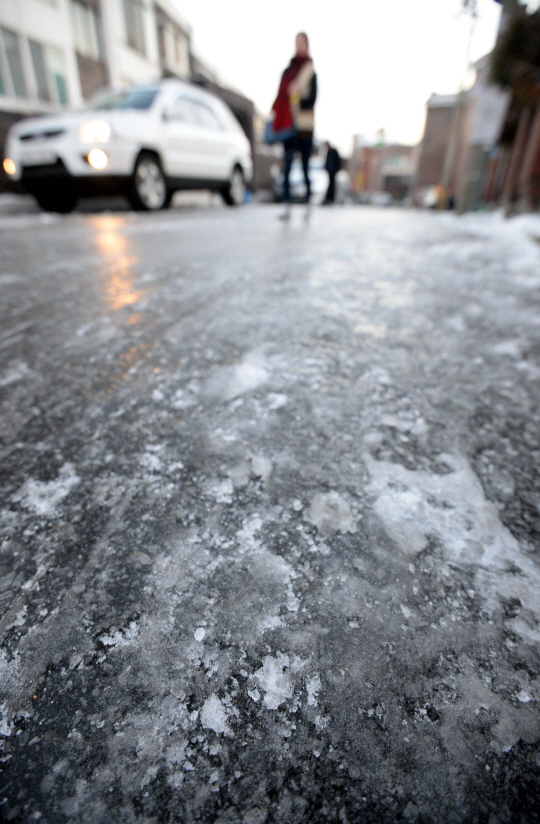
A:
{"points": [[270, 518]]}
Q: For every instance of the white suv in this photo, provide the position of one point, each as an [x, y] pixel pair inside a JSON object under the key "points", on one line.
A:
{"points": [[145, 143]]}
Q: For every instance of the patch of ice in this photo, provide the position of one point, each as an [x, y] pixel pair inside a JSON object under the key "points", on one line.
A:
{"points": [[199, 634], [121, 638], [510, 348], [377, 374], [214, 715], [456, 322], [261, 467], [246, 535], [44, 497], [270, 622], [405, 611], [182, 400], [157, 395], [329, 512], [415, 506], [221, 490], [276, 401], [231, 382], [313, 687], [274, 681], [417, 427], [151, 462], [245, 378], [175, 466], [240, 474], [321, 722], [20, 618], [17, 372], [373, 438], [394, 422], [293, 602], [5, 726], [530, 369], [8, 279]]}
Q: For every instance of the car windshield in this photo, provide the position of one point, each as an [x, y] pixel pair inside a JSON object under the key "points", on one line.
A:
{"points": [[131, 99]]}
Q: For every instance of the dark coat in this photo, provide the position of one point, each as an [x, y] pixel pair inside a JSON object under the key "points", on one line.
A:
{"points": [[333, 161]]}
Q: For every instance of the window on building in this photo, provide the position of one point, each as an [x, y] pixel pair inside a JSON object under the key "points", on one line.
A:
{"points": [[174, 49], [57, 68], [134, 24], [182, 54], [13, 54], [84, 22], [40, 71]]}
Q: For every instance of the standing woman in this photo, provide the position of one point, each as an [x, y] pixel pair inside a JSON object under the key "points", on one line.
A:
{"points": [[293, 109]]}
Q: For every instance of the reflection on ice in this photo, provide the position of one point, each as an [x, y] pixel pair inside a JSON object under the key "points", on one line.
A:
{"points": [[117, 253]]}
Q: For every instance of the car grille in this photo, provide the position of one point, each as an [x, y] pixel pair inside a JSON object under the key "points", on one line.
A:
{"points": [[49, 170], [49, 135]]}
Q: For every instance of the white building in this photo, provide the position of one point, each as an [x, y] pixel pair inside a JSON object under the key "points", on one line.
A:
{"points": [[59, 53], [56, 53], [38, 66], [142, 39]]}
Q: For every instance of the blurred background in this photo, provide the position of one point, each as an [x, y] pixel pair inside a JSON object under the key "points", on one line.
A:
{"points": [[431, 104]]}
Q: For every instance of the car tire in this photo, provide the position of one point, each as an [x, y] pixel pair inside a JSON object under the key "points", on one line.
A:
{"points": [[62, 199], [235, 191], [148, 189]]}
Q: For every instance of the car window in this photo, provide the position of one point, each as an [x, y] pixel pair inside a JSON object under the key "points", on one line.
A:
{"points": [[182, 110], [205, 116], [131, 99]]}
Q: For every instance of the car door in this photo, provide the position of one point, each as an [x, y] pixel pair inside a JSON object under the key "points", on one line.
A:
{"points": [[182, 155], [215, 142]]}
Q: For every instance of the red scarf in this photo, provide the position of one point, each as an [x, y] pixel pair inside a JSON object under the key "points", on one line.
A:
{"points": [[283, 118]]}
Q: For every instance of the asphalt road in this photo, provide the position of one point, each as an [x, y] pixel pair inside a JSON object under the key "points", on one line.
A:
{"points": [[270, 517]]}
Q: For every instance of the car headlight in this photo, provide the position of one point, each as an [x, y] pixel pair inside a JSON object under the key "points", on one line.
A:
{"points": [[97, 158], [9, 166], [96, 131]]}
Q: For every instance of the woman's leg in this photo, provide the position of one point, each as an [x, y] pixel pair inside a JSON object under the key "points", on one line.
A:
{"points": [[306, 146], [289, 147]]}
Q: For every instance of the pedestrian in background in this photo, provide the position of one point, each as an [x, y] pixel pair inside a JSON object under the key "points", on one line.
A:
{"points": [[294, 109], [332, 165]]}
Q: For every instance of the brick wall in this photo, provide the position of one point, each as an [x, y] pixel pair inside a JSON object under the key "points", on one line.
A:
{"points": [[434, 145]]}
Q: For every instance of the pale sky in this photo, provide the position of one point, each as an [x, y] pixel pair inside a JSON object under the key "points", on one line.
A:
{"points": [[377, 61]]}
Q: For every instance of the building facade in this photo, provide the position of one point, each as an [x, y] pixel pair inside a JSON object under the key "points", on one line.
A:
{"points": [[38, 65], [482, 147], [442, 114], [56, 54], [385, 168]]}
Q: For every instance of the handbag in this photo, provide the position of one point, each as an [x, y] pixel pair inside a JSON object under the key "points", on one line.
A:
{"points": [[271, 136]]}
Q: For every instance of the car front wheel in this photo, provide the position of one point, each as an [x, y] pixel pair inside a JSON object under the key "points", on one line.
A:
{"points": [[148, 189], [235, 191]]}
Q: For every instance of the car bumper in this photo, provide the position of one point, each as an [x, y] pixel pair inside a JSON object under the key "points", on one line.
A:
{"points": [[37, 178], [60, 160]]}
